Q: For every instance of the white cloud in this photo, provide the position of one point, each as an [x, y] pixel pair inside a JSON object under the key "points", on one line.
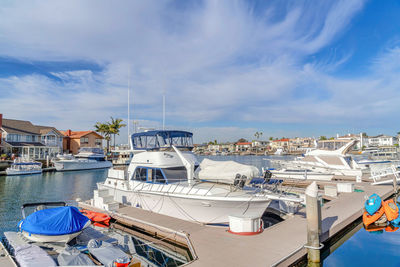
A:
{"points": [[217, 61]]}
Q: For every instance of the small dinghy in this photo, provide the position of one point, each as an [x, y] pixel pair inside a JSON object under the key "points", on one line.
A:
{"points": [[54, 225], [373, 204]]}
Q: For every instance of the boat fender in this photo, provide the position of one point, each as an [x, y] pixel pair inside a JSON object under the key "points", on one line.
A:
{"points": [[370, 219], [391, 210], [397, 220]]}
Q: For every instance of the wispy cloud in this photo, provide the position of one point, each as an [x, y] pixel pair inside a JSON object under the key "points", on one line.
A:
{"points": [[218, 62]]}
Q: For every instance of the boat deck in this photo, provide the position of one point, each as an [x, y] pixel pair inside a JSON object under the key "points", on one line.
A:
{"points": [[214, 246]]}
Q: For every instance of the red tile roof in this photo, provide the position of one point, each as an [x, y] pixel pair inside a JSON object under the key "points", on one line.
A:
{"points": [[282, 140], [243, 143], [79, 134]]}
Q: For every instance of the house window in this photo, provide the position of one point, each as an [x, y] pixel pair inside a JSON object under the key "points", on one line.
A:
{"points": [[13, 137], [98, 142], [84, 140]]}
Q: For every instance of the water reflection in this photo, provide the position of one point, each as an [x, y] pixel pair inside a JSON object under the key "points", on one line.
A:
{"points": [[54, 186]]}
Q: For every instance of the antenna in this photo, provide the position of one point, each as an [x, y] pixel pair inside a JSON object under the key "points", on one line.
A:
{"points": [[163, 119], [129, 110]]}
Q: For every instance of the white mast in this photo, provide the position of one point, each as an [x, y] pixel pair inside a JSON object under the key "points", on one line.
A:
{"points": [[129, 106], [163, 119]]}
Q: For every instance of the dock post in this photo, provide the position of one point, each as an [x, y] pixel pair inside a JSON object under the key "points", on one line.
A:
{"points": [[47, 161], [313, 211], [394, 180]]}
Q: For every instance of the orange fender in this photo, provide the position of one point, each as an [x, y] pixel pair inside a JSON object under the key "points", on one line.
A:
{"points": [[97, 218], [369, 219], [391, 209]]}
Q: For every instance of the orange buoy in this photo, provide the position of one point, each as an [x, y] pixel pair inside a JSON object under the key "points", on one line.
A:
{"points": [[391, 209], [369, 219], [97, 218]]}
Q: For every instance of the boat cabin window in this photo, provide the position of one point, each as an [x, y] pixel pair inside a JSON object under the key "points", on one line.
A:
{"points": [[140, 174], [175, 174], [151, 175]]}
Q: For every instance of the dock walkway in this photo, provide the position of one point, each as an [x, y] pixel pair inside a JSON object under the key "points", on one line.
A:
{"points": [[214, 246]]}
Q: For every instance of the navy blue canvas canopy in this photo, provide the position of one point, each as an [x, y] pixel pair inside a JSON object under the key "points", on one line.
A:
{"points": [[55, 221], [162, 138]]}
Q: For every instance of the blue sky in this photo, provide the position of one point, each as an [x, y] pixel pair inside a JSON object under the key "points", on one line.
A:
{"points": [[227, 68]]}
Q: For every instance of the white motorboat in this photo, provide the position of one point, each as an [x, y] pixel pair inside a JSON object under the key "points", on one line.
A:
{"points": [[327, 161], [60, 224], [161, 178], [21, 167], [301, 174], [87, 158]]}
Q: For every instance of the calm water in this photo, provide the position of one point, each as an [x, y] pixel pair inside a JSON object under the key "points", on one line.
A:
{"points": [[361, 249], [50, 186]]}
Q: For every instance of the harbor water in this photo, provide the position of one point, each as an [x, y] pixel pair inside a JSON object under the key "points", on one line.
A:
{"points": [[360, 249]]}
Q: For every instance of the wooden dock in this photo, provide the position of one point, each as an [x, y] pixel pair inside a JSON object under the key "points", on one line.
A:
{"points": [[279, 245]]}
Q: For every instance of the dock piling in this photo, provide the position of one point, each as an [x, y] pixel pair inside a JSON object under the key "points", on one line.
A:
{"points": [[313, 211]]}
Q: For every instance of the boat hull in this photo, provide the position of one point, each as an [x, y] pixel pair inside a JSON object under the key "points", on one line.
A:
{"points": [[213, 210], [13, 172], [53, 238], [85, 165]]}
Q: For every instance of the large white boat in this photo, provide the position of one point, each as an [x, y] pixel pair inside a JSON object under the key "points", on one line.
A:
{"points": [[327, 161], [161, 178], [22, 167], [87, 158]]}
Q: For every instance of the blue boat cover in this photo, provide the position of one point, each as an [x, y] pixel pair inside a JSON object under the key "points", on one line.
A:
{"points": [[55, 221], [373, 204]]}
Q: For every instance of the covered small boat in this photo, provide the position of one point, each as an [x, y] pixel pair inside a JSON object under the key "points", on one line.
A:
{"points": [[54, 225], [373, 204]]}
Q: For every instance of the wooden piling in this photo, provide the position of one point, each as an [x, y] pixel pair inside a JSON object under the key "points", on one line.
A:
{"points": [[313, 211]]}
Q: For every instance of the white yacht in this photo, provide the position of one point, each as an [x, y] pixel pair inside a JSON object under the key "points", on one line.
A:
{"points": [[21, 167], [87, 158], [327, 161], [161, 178]]}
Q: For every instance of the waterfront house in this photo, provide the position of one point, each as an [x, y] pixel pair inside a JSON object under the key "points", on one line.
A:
{"points": [[280, 143], [24, 139], [243, 146], [74, 140], [382, 140]]}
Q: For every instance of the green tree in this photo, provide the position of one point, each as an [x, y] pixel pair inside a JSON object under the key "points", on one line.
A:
{"points": [[242, 140], [115, 126], [104, 130], [322, 137], [271, 138]]}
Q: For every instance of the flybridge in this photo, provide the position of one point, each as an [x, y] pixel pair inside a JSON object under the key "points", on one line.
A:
{"points": [[154, 140]]}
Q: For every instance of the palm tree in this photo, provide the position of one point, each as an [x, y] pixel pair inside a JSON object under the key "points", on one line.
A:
{"points": [[115, 125], [104, 130]]}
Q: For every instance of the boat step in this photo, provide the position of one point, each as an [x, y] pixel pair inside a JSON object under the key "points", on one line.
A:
{"points": [[108, 199], [100, 193], [113, 206]]}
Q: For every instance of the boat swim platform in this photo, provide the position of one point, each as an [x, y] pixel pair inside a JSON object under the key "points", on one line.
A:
{"points": [[279, 245]]}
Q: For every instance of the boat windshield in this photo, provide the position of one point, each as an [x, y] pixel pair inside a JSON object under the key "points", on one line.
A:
{"points": [[152, 140]]}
